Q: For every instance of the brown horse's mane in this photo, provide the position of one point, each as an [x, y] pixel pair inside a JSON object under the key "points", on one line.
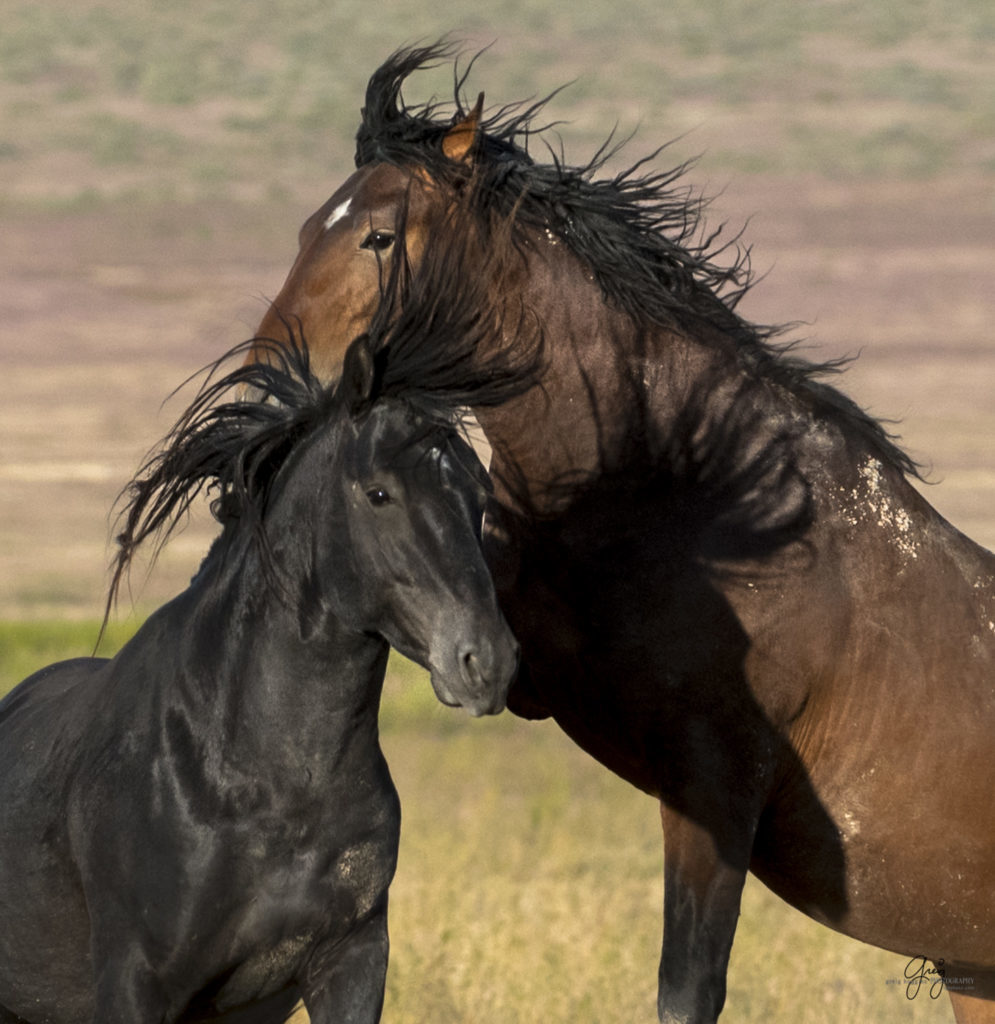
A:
{"points": [[641, 232]]}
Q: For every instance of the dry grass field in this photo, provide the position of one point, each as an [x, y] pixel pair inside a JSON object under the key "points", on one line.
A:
{"points": [[155, 165]]}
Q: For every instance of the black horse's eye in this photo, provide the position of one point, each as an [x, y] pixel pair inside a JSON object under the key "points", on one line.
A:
{"points": [[378, 241], [377, 496]]}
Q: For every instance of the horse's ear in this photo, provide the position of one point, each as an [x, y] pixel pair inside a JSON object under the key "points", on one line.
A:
{"points": [[459, 140], [358, 375]]}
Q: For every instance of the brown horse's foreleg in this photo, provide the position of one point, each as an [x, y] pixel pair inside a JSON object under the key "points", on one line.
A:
{"points": [[972, 994], [700, 908]]}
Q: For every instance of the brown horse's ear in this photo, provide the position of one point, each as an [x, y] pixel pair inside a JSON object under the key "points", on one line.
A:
{"points": [[459, 140], [358, 375]]}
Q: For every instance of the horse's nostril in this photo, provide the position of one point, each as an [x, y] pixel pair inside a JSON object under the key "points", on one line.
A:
{"points": [[470, 665]]}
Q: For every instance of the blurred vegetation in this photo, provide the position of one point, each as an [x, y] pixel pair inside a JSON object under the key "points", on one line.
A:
{"points": [[30, 645], [529, 886], [166, 102]]}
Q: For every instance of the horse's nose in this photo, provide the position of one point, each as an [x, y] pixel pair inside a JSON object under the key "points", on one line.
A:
{"points": [[487, 672]]}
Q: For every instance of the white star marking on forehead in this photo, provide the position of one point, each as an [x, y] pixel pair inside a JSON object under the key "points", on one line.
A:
{"points": [[337, 214]]}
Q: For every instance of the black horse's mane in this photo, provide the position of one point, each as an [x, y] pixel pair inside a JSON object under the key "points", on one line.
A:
{"points": [[433, 343], [641, 232]]}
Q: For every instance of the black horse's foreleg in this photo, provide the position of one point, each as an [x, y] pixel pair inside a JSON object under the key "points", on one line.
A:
{"points": [[702, 892], [127, 991], [344, 981]]}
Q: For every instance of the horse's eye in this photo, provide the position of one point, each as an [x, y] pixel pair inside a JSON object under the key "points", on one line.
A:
{"points": [[378, 241], [377, 496]]}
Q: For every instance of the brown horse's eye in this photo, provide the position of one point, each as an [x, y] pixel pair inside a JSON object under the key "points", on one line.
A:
{"points": [[378, 241]]}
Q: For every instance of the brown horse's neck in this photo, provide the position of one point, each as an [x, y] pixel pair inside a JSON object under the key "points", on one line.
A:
{"points": [[605, 373]]}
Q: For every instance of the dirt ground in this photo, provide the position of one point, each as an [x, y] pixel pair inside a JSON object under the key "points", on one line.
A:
{"points": [[103, 314]]}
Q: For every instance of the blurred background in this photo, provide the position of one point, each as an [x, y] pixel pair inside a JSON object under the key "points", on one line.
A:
{"points": [[156, 161]]}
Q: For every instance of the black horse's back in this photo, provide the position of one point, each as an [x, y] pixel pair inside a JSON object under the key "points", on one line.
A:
{"points": [[49, 684], [37, 716]]}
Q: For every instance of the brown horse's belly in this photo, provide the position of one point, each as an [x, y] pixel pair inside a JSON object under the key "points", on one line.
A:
{"points": [[921, 880], [918, 859]]}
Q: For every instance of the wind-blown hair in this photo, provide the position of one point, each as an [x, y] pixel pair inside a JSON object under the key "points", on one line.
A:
{"points": [[657, 222], [434, 343], [641, 232]]}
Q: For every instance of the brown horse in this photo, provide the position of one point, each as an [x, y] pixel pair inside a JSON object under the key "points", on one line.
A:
{"points": [[725, 586]]}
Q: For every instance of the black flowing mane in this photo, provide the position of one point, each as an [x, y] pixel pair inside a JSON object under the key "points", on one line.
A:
{"points": [[434, 343], [640, 232]]}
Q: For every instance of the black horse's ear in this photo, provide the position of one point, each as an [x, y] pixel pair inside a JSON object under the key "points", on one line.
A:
{"points": [[358, 375]]}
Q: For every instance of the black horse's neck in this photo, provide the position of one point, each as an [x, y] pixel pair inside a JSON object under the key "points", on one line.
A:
{"points": [[258, 688]]}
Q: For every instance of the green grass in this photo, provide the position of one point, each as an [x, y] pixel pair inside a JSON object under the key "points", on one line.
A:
{"points": [[28, 646], [529, 884]]}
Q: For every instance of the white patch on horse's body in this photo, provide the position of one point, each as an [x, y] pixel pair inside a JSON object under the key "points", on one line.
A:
{"points": [[338, 213], [851, 825], [983, 585], [872, 502]]}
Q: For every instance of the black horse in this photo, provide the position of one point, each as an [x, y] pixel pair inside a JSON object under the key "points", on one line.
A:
{"points": [[204, 827]]}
